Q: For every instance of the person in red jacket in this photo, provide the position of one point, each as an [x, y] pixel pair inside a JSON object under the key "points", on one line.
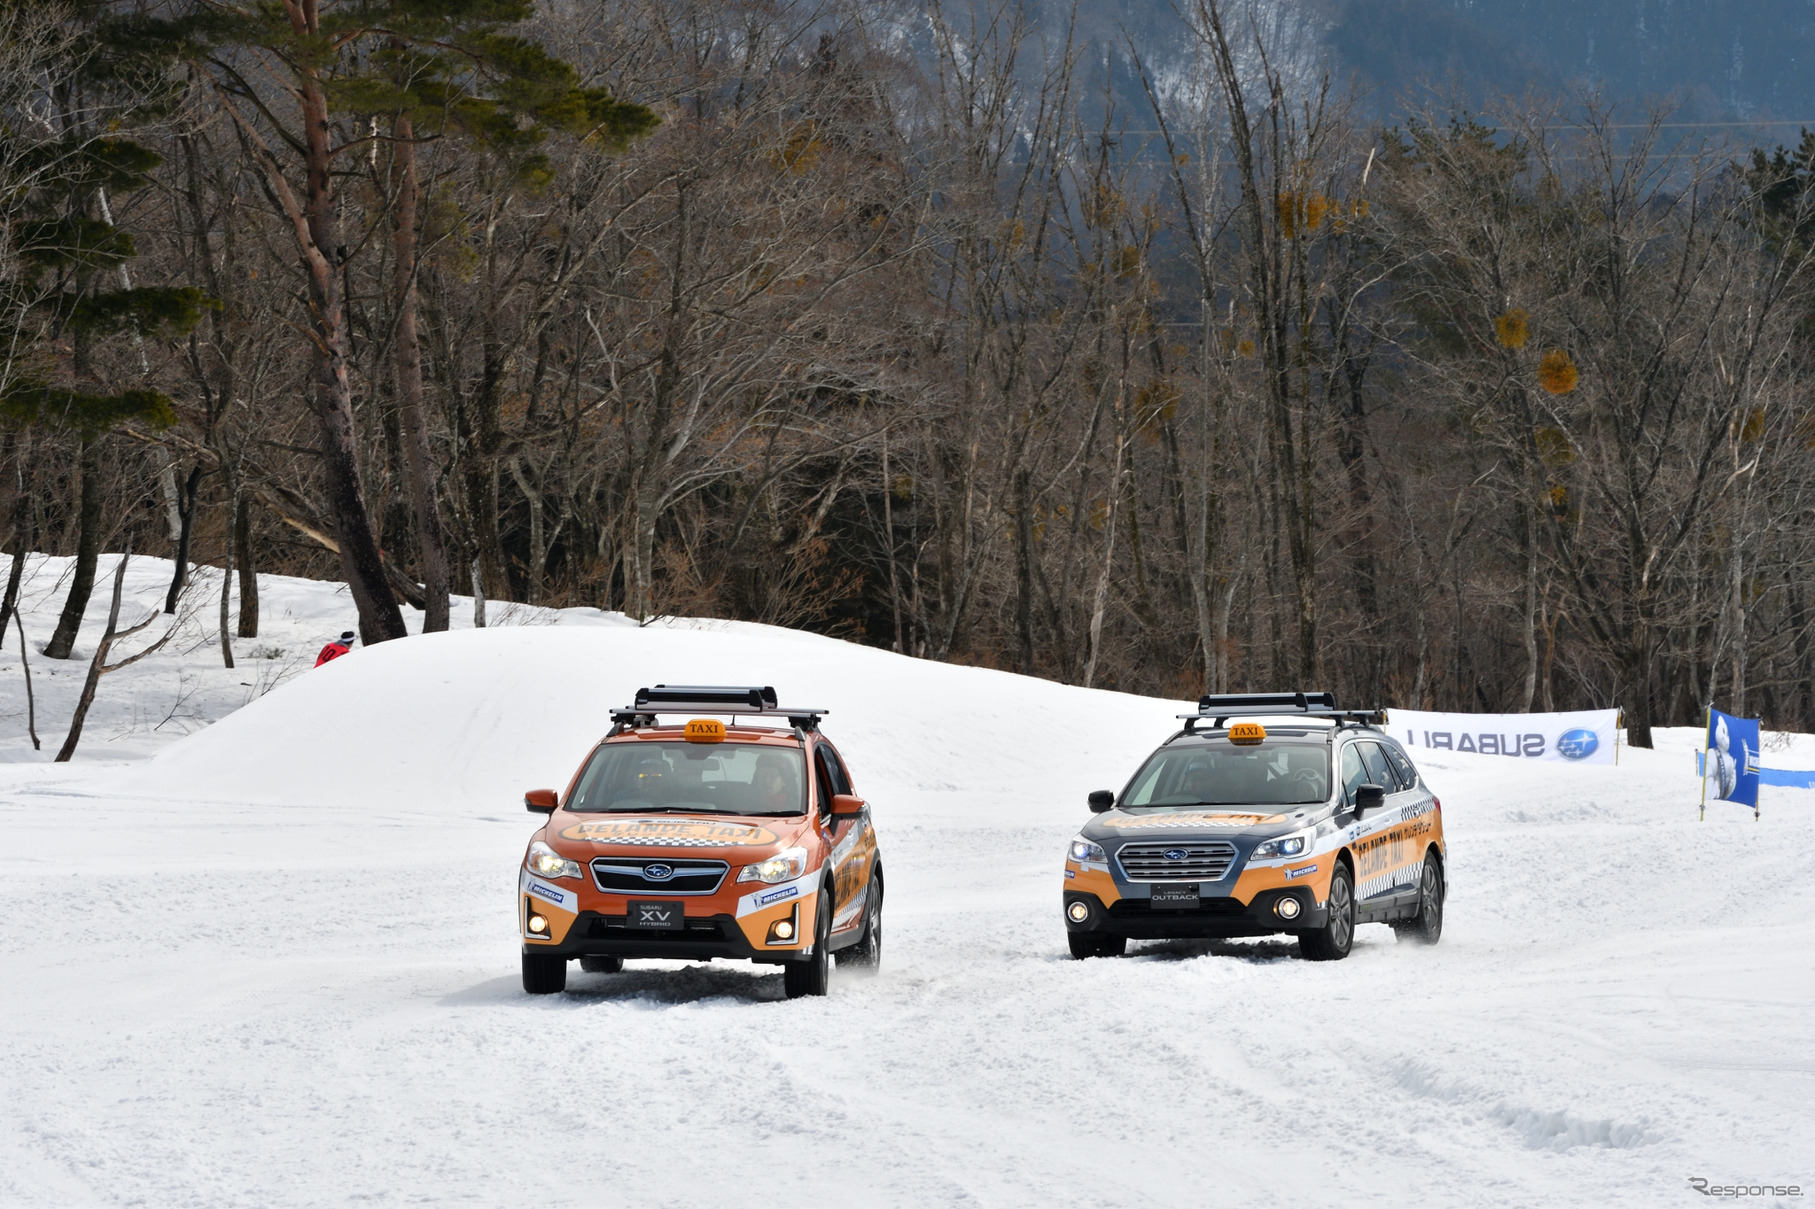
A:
{"points": [[337, 648]]}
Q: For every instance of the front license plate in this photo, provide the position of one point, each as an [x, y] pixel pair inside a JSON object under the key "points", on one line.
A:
{"points": [[661, 917], [1174, 898]]}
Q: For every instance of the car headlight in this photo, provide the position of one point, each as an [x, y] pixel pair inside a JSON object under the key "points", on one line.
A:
{"points": [[546, 862], [1284, 848], [1082, 850], [785, 865]]}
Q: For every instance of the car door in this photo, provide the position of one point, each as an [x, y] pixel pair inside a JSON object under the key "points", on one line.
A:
{"points": [[1370, 841], [1420, 807], [1398, 879], [845, 835]]}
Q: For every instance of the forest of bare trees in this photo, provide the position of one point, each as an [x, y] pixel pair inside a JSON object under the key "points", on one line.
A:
{"points": [[902, 324]]}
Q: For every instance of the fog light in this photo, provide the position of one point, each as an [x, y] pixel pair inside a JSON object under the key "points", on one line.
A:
{"points": [[1286, 908], [538, 924], [783, 931], [1077, 913]]}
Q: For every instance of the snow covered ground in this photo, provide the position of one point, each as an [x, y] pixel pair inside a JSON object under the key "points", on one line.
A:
{"points": [[273, 963]]}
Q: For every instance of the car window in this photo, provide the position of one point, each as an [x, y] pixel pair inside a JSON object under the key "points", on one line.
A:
{"points": [[822, 777], [711, 778], [1220, 773], [841, 779], [1353, 771], [1379, 771], [1402, 764]]}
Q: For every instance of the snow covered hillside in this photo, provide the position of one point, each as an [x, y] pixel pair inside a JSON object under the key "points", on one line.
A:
{"points": [[274, 962]]}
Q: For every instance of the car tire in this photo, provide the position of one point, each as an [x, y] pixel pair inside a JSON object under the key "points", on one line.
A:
{"points": [[866, 954], [814, 975], [544, 973], [602, 965], [1333, 941], [1096, 944], [1426, 927]]}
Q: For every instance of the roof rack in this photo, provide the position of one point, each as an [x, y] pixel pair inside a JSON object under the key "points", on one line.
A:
{"points": [[1220, 707], [711, 699]]}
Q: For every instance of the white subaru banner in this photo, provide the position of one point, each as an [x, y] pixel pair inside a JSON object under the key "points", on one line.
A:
{"points": [[1584, 737]]}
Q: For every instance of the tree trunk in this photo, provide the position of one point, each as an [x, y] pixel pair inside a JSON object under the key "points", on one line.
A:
{"points": [[95, 665], [88, 552], [226, 577], [407, 354], [173, 514], [1530, 634], [331, 394], [1637, 705], [31, 704], [248, 574], [98, 667], [22, 544], [888, 533], [1805, 665], [179, 579], [1024, 572], [11, 602], [1100, 599], [538, 531]]}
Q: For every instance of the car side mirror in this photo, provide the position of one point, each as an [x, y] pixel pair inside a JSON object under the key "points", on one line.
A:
{"points": [[846, 804], [1368, 797], [540, 801], [1101, 800]]}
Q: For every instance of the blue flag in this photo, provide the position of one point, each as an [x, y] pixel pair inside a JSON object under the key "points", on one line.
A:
{"points": [[1731, 769]]}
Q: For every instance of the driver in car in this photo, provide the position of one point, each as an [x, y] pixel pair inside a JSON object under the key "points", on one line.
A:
{"points": [[773, 785]]}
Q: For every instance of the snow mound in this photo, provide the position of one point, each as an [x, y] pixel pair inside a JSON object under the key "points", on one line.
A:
{"points": [[470, 719]]}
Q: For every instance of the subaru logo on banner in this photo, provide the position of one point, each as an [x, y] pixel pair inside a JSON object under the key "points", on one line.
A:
{"points": [[1730, 772], [1577, 744]]}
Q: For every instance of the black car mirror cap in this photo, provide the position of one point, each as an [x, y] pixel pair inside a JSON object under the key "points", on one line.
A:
{"points": [[1369, 797], [1101, 800]]}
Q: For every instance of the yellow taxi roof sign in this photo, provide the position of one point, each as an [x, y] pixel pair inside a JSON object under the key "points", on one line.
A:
{"points": [[1247, 732], [705, 730]]}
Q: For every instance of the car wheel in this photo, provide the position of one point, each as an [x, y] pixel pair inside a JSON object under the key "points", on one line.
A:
{"points": [[1096, 944], [602, 965], [1426, 927], [814, 975], [544, 973], [1333, 941], [866, 954]]}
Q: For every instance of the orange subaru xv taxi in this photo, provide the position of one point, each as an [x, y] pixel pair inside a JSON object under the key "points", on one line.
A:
{"points": [[716, 837]]}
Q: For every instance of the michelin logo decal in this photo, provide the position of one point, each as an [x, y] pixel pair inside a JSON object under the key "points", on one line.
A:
{"points": [[756, 900], [553, 895]]}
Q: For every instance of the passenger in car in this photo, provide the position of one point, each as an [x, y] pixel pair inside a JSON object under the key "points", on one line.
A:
{"points": [[774, 787]]}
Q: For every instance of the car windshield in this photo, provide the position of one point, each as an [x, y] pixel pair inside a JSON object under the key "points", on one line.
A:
{"points": [[1219, 773], [694, 778]]}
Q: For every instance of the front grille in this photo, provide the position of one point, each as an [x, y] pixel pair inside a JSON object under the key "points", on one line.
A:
{"points": [[630, 875], [617, 927], [1184, 861], [1209, 908]]}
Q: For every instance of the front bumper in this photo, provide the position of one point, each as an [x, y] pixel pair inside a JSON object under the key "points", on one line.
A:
{"points": [[1214, 918], [594, 934]]}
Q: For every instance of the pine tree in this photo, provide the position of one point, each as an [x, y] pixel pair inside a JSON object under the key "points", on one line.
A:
{"points": [[430, 66], [64, 160], [445, 67]]}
